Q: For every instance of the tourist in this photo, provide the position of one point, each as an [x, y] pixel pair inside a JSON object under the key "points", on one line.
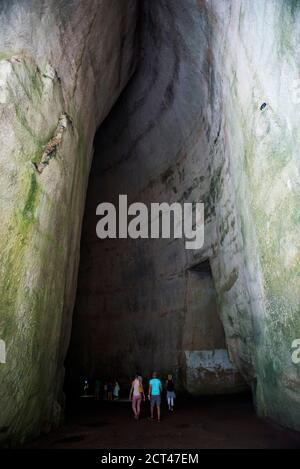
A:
{"points": [[110, 389], [85, 387], [136, 395], [155, 390], [105, 391], [170, 392], [116, 390]]}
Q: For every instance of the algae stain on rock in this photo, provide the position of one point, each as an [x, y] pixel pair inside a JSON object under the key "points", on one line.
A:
{"points": [[30, 203]]}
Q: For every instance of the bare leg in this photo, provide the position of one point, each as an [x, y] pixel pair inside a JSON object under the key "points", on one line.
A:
{"points": [[158, 413], [134, 406], [138, 410]]}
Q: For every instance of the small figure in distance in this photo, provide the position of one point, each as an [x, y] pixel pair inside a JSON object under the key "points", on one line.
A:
{"points": [[86, 387], [170, 392], [105, 391], [110, 389], [116, 390]]}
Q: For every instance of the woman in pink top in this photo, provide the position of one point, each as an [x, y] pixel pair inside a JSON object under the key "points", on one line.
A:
{"points": [[136, 394]]}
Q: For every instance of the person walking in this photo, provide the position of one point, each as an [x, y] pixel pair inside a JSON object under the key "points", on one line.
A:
{"points": [[136, 395], [170, 392], [116, 390], [155, 390], [105, 391], [110, 389]]}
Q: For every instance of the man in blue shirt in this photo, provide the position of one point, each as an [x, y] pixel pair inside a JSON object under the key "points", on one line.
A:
{"points": [[155, 390]]}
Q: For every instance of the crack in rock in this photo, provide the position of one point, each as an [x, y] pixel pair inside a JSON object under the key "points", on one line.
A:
{"points": [[53, 144]]}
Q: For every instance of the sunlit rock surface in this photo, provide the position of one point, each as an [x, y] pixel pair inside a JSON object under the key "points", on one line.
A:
{"points": [[62, 67], [193, 126]]}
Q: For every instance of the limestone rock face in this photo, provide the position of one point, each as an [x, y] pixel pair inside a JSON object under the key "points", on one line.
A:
{"points": [[256, 255], [212, 115], [62, 67]]}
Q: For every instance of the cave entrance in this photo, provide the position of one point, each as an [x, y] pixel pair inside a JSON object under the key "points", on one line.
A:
{"points": [[140, 304], [136, 308]]}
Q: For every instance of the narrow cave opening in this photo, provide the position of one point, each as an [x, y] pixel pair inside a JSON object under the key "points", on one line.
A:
{"points": [[139, 305], [150, 304], [144, 304]]}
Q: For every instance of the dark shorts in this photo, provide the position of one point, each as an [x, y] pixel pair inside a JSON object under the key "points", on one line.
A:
{"points": [[155, 400]]}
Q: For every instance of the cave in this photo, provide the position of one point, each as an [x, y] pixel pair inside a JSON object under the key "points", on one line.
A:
{"points": [[166, 102]]}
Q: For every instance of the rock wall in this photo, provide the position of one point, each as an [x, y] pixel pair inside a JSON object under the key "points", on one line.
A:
{"points": [[193, 126], [256, 253], [212, 116], [62, 67]]}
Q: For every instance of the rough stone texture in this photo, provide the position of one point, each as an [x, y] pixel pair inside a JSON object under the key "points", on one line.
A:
{"points": [[211, 372], [63, 64], [256, 251], [189, 127]]}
